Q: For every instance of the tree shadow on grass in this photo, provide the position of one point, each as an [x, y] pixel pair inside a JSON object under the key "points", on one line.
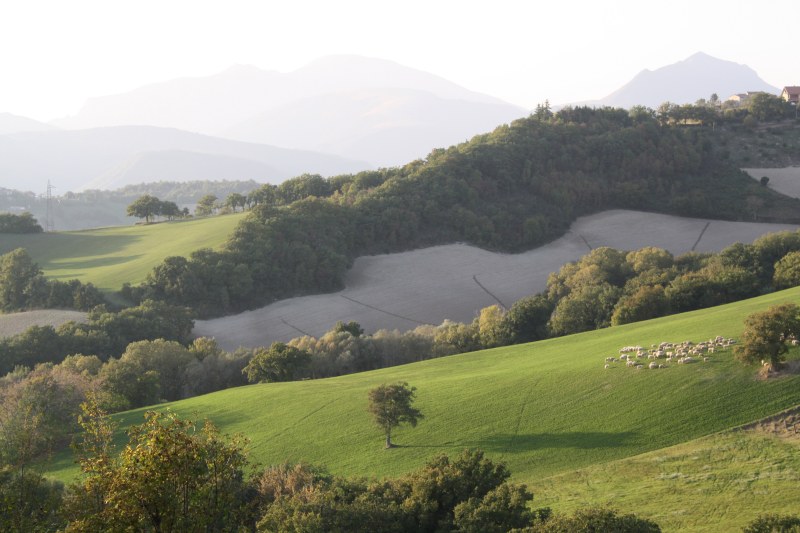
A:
{"points": [[94, 263], [506, 442], [540, 441]]}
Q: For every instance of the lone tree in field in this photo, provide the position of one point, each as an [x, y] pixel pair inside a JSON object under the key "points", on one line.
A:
{"points": [[146, 207], [390, 406], [766, 335]]}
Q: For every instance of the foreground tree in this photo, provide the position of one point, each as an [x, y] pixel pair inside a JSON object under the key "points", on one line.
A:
{"points": [[766, 335], [171, 477], [390, 405]]}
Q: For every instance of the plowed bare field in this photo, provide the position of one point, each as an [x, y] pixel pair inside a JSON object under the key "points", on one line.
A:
{"points": [[403, 290]]}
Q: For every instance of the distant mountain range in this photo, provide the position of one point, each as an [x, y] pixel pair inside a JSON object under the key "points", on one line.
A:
{"points": [[355, 107], [16, 124], [109, 158], [337, 114], [698, 76]]}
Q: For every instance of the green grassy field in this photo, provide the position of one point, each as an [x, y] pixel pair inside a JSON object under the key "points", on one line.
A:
{"points": [[546, 408], [109, 257], [716, 483]]}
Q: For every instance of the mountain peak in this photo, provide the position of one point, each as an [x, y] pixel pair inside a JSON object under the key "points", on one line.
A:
{"points": [[686, 81]]}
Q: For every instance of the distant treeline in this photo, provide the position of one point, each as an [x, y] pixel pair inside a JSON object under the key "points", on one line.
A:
{"points": [[105, 334], [513, 189]]}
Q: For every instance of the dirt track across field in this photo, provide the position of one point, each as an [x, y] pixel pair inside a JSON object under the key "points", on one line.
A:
{"points": [[403, 290]]}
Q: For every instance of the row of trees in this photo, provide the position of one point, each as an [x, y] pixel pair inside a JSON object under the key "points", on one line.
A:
{"points": [[23, 223], [760, 107], [149, 207], [105, 334], [513, 189], [24, 287]]}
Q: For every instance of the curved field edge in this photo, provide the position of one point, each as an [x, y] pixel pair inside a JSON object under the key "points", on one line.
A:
{"points": [[544, 408], [715, 483], [429, 285], [109, 257]]}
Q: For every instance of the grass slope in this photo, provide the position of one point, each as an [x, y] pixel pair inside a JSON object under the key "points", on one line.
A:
{"points": [[544, 408], [716, 483], [109, 257]]}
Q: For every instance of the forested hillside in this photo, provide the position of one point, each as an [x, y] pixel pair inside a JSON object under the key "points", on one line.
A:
{"points": [[515, 188]]}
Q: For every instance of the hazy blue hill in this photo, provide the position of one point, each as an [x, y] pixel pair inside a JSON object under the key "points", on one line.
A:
{"points": [[388, 127], [75, 159], [340, 101], [697, 76]]}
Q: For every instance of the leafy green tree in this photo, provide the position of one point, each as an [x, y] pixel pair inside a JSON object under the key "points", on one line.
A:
{"points": [[588, 308], [768, 107], [649, 258], [22, 223], [168, 360], [352, 327], [21, 281], [171, 477], [767, 333], [279, 363], [29, 502], [787, 271], [455, 337], [527, 319], [128, 384], [146, 207], [170, 210], [390, 406], [235, 200], [492, 327], [438, 489], [206, 205], [498, 511], [646, 303], [264, 195]]}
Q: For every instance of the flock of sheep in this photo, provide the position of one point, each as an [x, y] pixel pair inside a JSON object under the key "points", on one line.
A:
{"points": [[685, 352]]}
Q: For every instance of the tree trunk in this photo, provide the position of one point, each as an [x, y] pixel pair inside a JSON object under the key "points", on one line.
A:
{"points": [[389, 441]]}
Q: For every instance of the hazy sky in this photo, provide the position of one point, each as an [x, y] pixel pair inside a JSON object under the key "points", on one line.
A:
{"points": [[57, 53]]}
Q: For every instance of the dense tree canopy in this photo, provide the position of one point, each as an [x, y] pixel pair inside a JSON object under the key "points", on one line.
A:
{"points": [[23, 223]]}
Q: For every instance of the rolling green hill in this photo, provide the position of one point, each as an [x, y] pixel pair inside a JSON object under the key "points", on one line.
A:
{"points": [[716, 483], [109, 257], [545, 408]]}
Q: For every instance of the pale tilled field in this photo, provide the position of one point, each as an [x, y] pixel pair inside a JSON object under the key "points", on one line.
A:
{"points": [[15, 323], [784, 180], [401, 291]]}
